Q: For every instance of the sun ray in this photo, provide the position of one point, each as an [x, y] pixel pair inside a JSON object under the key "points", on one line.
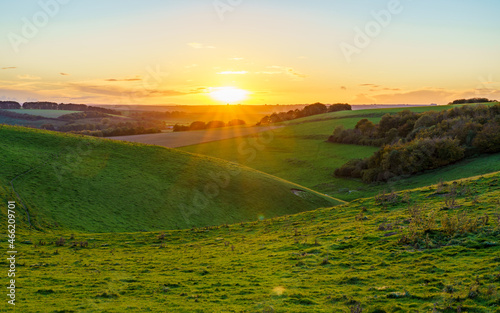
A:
{"points": [[228, 95]]}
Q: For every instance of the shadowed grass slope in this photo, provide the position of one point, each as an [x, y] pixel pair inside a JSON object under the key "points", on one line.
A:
{"points": [[89, 184]]}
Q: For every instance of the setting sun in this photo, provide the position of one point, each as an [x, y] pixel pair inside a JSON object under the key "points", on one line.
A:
{"points": [[228, 94]]}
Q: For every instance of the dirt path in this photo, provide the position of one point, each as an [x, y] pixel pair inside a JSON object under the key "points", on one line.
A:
{"points": [[188, 138]]}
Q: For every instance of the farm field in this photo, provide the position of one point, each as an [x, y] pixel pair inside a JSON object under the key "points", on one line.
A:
{"points": [[99, 185], [44, 113], [187, 138], [36, 124], [365, 255]]}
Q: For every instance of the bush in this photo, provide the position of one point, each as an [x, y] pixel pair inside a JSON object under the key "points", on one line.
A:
{"points": [[48, 127], [236, 122], [488, 139], [180, 128], [215, 124], [197, 125]]}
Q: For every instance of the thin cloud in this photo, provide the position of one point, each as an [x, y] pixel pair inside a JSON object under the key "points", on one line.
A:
{"points": [[292, 72], [64, 74], [116, 91], [343, 88], [269, 73], [81, 98], [363, 98], [232, 73], [375, 87], [289, 71], [123, 79], [28, 77], [9, 68], [391, 89], [421, 96], [198, 90], [197, 45]]}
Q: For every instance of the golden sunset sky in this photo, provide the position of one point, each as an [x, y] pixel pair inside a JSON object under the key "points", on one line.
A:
{"points": [[249, 51]]}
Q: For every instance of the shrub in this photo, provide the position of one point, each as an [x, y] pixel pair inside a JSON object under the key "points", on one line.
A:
{"points": [[180, 128], [60, 242], [198, 125], [488, 139], [236, 122], [215, 124]]}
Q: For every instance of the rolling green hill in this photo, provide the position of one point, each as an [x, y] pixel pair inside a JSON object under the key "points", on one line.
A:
{"points": [[433, 249], [299, 152], [88, 184]]}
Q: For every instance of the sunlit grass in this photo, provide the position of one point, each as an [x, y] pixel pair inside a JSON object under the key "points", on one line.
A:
{"points": [[325, 260]]}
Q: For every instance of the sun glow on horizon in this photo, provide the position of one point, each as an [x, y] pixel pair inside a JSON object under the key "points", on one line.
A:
{"points": [[228, 95]]}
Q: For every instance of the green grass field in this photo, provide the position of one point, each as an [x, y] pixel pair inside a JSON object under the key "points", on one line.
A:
{"points": [[26, 123], [296, 153], [44, 113], [89, 184], [151, 229], [299, 153], [327, 260]]}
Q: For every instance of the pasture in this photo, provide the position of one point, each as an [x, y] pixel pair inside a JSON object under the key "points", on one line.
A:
{"points": [[44, 113], [187, 138], [352, 257], [299, 152]]}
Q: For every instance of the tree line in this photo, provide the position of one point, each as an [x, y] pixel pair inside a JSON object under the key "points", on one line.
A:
{"points": [[472, 100], [10, 105], [43, 105], [308, 110], [413, 142], [198, 125]]}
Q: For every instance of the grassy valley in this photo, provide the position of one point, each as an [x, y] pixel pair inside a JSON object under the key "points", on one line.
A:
{"points": [[111, 226], [299, 152]]}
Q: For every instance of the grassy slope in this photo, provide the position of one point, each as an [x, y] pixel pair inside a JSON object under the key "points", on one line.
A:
{"points": [[300, 154], [90, 184], [319, 261], [44, 113], [297, 153], [26, 123]]}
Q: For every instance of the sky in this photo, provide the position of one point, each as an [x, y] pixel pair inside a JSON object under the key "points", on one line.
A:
{"points": [[194, 52]]}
